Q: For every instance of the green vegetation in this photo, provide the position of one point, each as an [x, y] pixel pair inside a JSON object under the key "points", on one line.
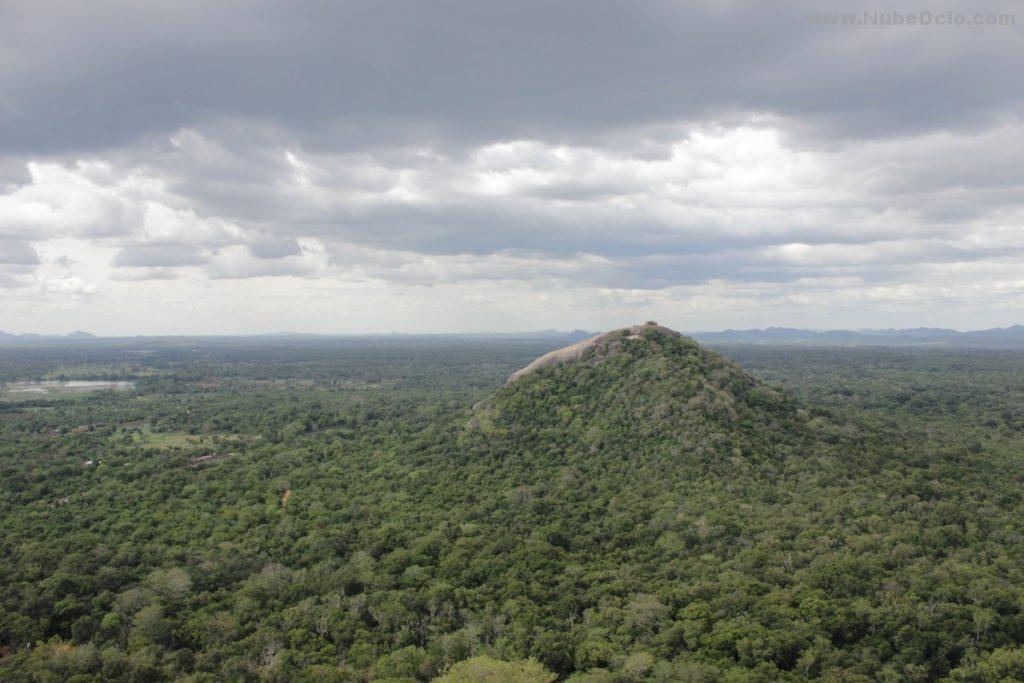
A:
{"points": [[385, 510], [486, 670]]}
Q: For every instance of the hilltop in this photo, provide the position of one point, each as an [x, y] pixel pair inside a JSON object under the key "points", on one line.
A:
{"points": [[599, 343], [644, 479], [649, 390]]}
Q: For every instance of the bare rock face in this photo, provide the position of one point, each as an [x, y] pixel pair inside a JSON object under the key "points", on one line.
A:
{"points": [[603, 341]]}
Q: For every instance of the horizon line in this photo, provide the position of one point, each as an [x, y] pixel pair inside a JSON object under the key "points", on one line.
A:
{"points": [[82, 335]]}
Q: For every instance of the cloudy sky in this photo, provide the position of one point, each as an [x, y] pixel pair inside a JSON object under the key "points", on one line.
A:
{"points": [[348, 167]]}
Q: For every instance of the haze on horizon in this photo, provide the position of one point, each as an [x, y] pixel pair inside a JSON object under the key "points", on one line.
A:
{"points": [[219, 168]]}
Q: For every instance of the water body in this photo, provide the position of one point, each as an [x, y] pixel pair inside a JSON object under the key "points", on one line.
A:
{"points": [[47, 388]]}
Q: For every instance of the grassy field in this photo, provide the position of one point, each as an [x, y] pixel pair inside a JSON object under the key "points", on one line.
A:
{"points": [[147, 438]]}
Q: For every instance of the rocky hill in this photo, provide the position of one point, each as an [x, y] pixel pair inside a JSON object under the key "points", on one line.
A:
{"points": [[637, 478], [643, 391]]}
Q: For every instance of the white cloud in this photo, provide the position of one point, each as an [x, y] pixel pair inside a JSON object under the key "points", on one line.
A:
{"points": [[725, 221]]}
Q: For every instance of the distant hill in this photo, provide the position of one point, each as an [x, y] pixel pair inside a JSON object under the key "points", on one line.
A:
{"points": [[636, 384], [33, 338]]}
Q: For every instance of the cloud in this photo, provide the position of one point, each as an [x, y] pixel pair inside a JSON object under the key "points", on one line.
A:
{"points": [[70, 287], [240, 262], [741, 203], [731, 156], [144, 273], [79, 199], [18, 259], [353, 76], [17, 253], [153, 256]]}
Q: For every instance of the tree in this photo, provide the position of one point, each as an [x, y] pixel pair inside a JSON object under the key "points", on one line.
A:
{"points": [[486, 670], [1004, 664]]}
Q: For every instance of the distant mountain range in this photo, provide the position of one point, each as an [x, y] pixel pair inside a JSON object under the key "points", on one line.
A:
{"points": [[996, 338], [6, 338]]}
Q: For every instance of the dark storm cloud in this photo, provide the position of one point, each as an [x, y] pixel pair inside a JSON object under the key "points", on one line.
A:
{"points": [[86, 76]]}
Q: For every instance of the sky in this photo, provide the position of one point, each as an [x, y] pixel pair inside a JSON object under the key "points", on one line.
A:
{"points": [[191, 167]]}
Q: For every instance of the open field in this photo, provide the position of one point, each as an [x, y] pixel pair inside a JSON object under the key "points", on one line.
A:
{"points": [[29, 389]]}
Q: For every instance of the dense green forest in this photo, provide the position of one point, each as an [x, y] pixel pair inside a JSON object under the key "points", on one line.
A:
{"points": [[386, 509]]}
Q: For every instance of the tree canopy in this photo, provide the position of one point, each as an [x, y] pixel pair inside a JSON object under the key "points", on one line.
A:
{"points": [[390, 511]]}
